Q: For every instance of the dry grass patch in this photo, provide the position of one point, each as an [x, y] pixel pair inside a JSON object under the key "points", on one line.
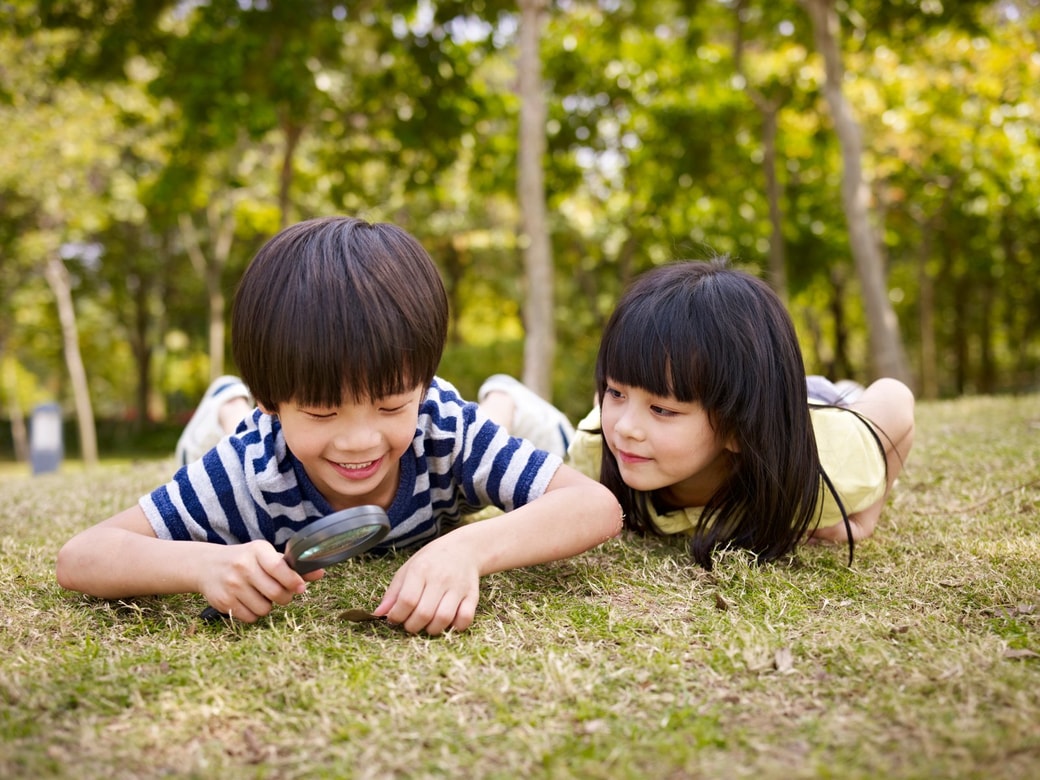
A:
{"points": [[921, 660]]}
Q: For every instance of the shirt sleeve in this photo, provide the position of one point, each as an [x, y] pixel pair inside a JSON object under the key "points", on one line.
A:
{"points": [[245, 488], [502, 470]]}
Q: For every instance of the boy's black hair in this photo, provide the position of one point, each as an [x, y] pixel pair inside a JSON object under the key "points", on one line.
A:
{"points": [[336, 307], [704, 332]]}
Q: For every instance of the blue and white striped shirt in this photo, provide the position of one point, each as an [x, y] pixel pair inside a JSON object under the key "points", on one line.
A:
{"points": [[250, 486]]}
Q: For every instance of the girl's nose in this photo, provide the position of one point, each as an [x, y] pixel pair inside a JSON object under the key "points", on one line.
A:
{"points": [[629, 426]]}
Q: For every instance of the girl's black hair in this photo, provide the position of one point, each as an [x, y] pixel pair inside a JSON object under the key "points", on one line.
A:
{"points": [[704, 332], [338, 306]]}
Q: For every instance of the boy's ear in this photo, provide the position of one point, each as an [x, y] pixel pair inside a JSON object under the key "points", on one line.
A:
{"points": [[266, 410]]}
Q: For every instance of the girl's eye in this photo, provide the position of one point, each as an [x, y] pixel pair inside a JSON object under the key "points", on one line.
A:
{"points": [[613, 393], [661, 411]]}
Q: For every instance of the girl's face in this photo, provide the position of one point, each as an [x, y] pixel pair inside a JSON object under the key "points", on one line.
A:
{"points": [[352, 452], [665, 445]]}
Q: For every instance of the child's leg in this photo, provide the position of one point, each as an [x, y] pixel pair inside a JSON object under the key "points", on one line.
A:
{"points": [[525, 414], [889, 405], [226, 402]]}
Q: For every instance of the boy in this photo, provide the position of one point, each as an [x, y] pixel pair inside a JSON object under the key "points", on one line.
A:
{"points": [[338, 326]]}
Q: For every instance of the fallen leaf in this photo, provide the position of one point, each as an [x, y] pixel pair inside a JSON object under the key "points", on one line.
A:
{"points": [[359, 615], [1015, 654]]}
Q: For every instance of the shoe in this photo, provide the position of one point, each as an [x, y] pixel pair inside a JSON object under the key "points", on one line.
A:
{"points": [[840, 393], [849, 391], [203, 430], [534, 418]]}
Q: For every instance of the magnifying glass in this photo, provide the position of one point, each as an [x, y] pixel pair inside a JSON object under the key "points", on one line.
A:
{"points": [[329, 540]]}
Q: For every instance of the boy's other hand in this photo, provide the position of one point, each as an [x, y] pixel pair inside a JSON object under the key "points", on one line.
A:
{"points": [[436, 589]]}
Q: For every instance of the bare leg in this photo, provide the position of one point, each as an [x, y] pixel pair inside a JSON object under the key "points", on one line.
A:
{"points": [[889, 405], [499, 407], [233, 412]]}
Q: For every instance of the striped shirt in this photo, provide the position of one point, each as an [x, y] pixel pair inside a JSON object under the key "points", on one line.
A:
{"points": [[250, 486]]}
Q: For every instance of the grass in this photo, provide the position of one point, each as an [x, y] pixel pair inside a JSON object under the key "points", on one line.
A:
{"points": [[921, 660]]}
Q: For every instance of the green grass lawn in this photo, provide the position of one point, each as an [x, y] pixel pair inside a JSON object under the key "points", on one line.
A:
{"points": [[921, 660]]}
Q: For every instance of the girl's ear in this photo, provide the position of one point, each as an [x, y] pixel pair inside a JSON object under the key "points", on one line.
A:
{"points": [[731, 444]]}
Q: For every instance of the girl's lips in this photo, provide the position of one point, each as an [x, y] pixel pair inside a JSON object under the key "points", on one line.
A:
{"points": [[357, 471], [628, 457]]}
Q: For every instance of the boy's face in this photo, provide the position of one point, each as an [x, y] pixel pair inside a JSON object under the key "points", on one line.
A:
{"points": [[352, 452]]}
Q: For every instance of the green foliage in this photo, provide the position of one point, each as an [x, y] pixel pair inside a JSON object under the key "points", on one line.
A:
{"points": [[120, 117]]}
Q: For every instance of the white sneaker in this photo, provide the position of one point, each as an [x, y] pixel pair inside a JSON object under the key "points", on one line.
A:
{"points": [[534, 418], [840, 393], [203, 430], [849, 391]]}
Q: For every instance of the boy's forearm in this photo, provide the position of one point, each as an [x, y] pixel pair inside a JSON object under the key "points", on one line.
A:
{"points": [[111, 562], [560, 524]]}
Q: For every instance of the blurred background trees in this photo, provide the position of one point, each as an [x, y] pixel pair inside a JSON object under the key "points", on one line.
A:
{"points": [[148, 147]]}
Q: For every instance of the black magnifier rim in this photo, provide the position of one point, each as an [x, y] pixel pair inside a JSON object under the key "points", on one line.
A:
{"points": [[327, 527]]}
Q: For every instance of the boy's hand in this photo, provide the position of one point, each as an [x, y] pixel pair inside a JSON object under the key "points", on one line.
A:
{"points": [[245, 581], [436, 589]]}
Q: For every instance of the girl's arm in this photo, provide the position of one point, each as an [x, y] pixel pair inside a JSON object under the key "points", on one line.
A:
{"points": [[122, 557], [439, 586]]}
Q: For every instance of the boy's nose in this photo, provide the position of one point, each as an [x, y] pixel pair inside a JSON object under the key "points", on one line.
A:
{"points": [[355, 438]]}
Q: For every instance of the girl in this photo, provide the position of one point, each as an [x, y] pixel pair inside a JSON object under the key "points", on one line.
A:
{"points": [[709, 430]]}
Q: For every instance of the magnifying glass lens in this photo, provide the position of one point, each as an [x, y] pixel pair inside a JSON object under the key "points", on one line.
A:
{"points": [[335, 538], [340, 542]]}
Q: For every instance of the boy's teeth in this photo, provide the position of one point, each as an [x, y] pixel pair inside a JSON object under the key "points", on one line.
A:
{"points": [[355, 466]]}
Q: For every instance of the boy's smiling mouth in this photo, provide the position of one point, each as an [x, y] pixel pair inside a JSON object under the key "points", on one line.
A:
{"points": [[359, 470]]}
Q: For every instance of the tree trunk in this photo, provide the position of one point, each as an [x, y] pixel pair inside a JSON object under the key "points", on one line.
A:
{"points": [[58, 279], [293, 132], [211, 268], [928, 375], [886, 345], [769, 110], [539, 326], [19, 431]]}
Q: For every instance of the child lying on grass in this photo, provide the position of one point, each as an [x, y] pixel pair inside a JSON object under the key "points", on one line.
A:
{"points": [[338, 326]]}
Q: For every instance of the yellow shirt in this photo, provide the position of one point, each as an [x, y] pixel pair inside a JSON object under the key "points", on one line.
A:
{"points": [[848, 453]]}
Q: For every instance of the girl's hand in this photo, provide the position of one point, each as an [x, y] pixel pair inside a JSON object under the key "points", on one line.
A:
{"points": [[436, 589], [861, 523], [245, 581]]}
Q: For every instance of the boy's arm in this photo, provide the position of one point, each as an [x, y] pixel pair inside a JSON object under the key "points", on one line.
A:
{"points": [[438, 587], [122, 557]]}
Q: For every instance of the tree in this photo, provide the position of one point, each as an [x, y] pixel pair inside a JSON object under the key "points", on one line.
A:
{"points": [[538, 268], [887, 351]]}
